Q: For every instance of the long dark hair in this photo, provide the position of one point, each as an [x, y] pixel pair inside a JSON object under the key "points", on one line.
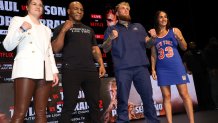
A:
{"points": [[156, 24]]}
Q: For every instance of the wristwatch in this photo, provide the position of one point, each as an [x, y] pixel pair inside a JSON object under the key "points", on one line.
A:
{"points": [[23, 30]]}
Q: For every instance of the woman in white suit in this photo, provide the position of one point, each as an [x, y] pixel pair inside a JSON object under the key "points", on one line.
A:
{"points": [[34, 70]]}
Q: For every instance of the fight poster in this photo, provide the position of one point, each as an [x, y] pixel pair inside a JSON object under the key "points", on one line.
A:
{"points": [[107, 102]]}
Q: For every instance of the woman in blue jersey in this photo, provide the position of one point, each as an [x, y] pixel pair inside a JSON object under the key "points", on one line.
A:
{"points": [[167, 66]]}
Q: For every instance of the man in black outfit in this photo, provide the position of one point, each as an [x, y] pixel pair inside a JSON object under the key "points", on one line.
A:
{"points": [[79, 47], [195, 65], [211, 58]]}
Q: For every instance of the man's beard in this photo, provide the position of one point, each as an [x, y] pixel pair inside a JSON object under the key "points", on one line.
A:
{"points": [[124, 18]]}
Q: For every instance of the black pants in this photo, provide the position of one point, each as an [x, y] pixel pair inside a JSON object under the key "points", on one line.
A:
{"points": [[24, 90], [72, 81]]}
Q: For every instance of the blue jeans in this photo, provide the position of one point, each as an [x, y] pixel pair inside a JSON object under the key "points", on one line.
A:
{"points": [[140, 77]]}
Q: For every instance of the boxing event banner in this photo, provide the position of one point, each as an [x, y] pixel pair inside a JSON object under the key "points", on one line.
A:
{"points": [[107, 102], [54, 15], [135, 106]]}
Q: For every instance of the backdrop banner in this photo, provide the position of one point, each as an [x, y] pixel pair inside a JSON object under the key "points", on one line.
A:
{"points": [[107, 102], [55, 13]]}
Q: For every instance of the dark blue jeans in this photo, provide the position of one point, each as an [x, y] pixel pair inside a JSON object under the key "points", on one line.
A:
{"points": [[140, 77]]}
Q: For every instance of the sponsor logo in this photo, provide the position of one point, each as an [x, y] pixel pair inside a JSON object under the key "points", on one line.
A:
{"points": [[6, 66], [135, 28], [184, 77], [6, 54], [96, 16]]}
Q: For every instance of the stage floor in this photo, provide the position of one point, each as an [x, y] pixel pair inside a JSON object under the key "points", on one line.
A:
{"points": [[209, 116]]}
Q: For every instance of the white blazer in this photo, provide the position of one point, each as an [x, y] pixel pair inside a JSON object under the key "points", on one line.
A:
{"points": [[31, 56]]}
